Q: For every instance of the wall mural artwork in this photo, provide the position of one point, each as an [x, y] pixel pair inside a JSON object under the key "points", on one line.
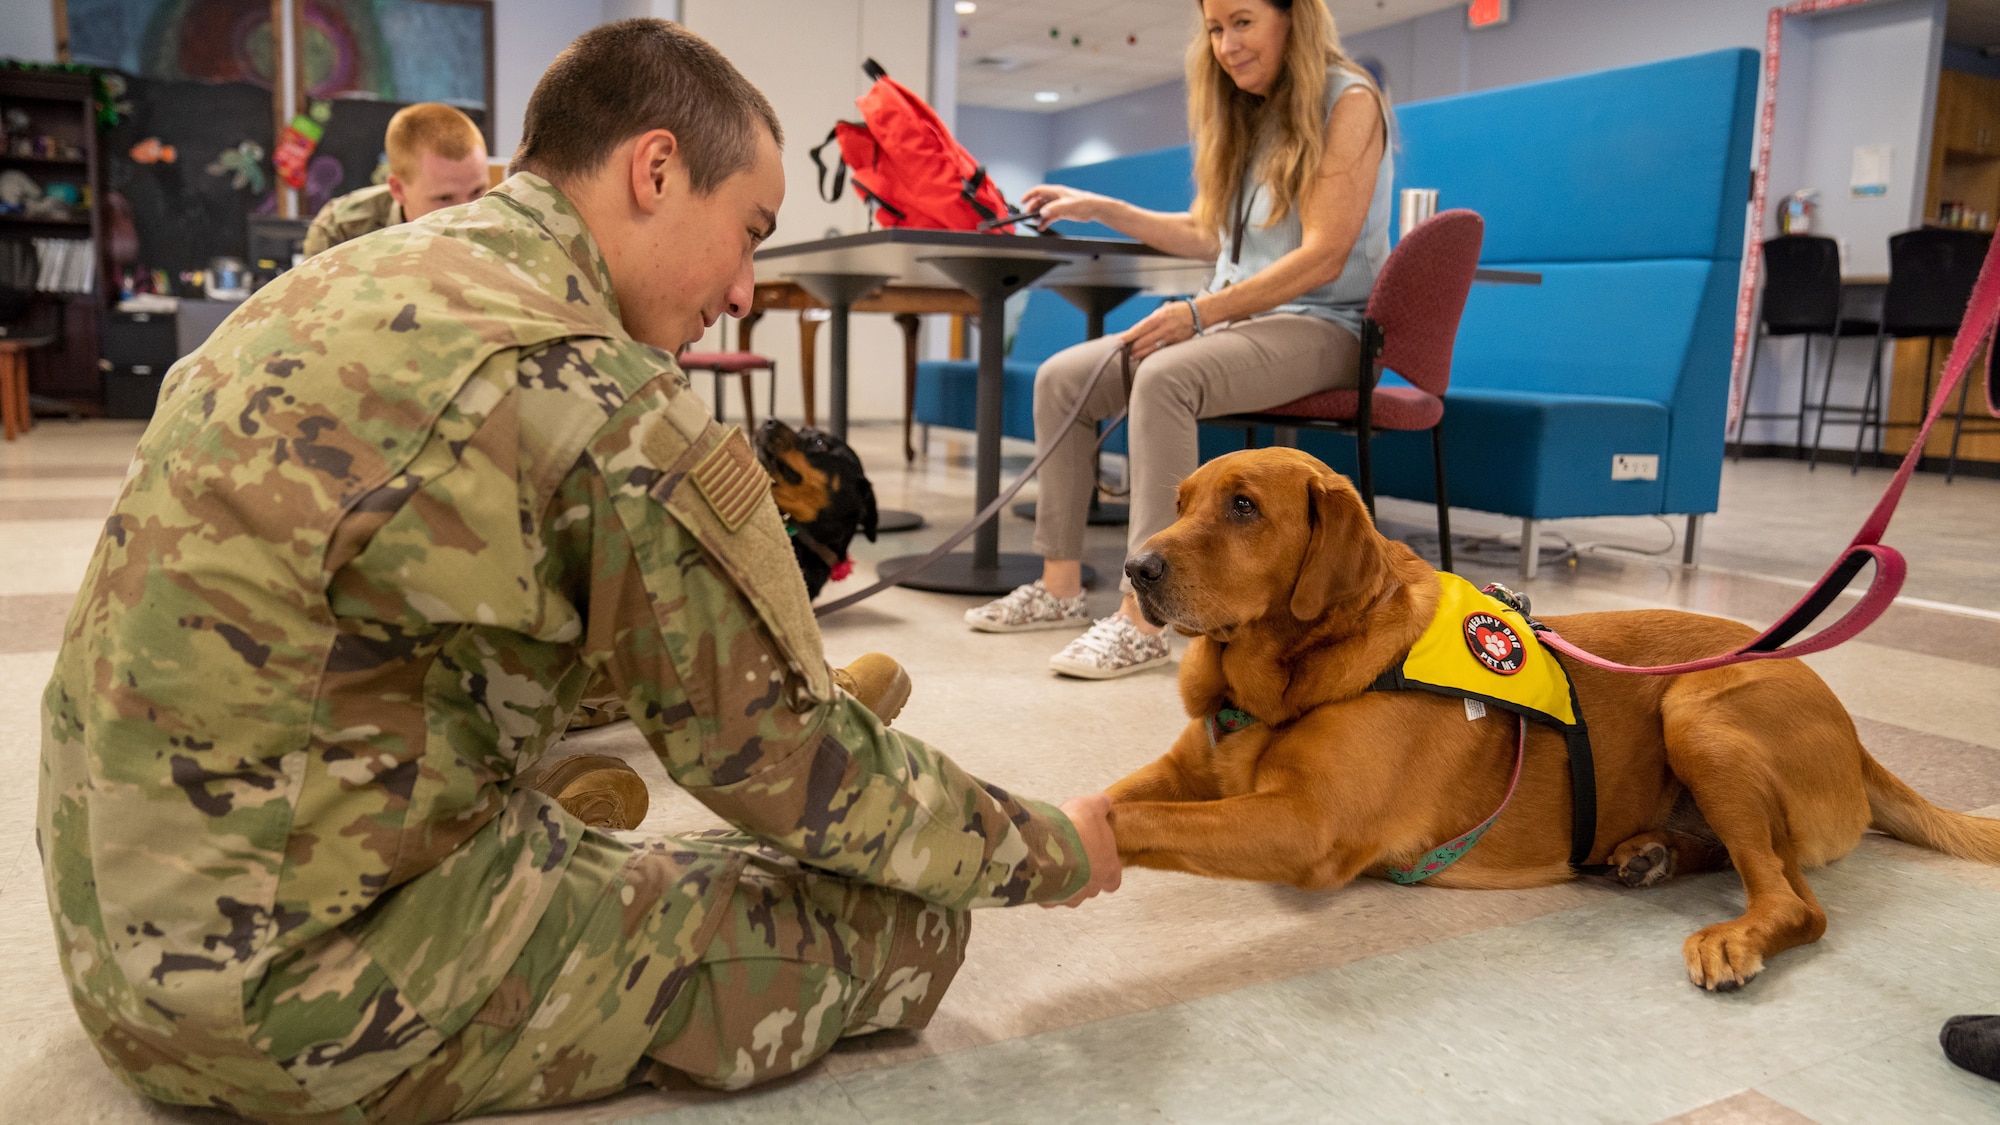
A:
{"points": [[387, 50]]}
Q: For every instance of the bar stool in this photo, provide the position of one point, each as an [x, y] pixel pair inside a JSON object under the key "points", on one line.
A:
{"points": [[1802, 297], [741, 364], [15, 415], [1931, 275], [1985, 426], [19, 266]]}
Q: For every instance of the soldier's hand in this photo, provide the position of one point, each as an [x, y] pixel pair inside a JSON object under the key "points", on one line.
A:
{"points": [[1092, 816]]}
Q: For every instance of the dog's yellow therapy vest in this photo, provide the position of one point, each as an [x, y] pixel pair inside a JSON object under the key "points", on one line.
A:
{"points": [[1480, 647]]}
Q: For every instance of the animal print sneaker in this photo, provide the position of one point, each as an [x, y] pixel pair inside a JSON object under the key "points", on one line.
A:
{"points": [[1113, 647], [1027, 608]]}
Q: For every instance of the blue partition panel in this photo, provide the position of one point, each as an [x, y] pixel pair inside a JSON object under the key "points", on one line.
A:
{"points": [[1647, 161], [1160, 180]]}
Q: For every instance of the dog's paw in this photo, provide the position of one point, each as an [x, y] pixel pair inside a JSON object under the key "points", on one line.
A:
{"points": [[1642, 864], [1722, 957]]}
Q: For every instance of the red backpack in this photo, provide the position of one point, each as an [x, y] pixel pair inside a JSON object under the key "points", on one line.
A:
{"points": [[906, 164]]}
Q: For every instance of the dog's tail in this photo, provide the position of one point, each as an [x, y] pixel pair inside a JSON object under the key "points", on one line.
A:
{"points": [[1903, 813]]}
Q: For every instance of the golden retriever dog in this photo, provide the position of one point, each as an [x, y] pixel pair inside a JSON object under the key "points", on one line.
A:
{"points": [[1296, 604]]}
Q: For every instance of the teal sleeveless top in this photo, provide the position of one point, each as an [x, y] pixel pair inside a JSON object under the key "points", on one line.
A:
{"points": [[1341, 300]]}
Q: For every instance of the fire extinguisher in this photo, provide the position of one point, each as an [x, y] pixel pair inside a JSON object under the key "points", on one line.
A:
{"points": [[296, 143]]}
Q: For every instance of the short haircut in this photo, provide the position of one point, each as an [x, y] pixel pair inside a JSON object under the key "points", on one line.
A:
{"points": [[621, 79], [429, 127]]}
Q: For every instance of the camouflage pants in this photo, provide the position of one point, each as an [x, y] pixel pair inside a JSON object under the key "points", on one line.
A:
{"points": [[794, 959]]}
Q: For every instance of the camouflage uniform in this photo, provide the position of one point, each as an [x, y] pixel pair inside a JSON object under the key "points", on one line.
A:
{"points": [[388, 522], [351, 216]]}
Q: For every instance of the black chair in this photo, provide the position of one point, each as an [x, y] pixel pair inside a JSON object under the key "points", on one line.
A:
{"points": [[1802, 297], [1983, 426], [1931, 275]]}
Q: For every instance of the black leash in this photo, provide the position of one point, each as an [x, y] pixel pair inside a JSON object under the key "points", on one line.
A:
{"points": [[1124, 355]]}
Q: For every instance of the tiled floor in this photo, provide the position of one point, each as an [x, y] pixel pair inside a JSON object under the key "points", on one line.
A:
{"points": [[1180, 999]]}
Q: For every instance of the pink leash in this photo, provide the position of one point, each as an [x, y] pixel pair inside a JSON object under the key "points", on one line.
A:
{"points": [[1890, 569]]}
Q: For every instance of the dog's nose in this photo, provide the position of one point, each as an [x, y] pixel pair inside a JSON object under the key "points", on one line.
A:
{"points": [[1145, 568]]}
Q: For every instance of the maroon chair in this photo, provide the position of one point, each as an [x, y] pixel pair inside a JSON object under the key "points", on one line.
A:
{"points": [[741, 364], [1409, 328]]}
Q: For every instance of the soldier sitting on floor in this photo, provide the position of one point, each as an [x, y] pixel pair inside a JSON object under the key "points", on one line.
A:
{"points": [[389, 521]]}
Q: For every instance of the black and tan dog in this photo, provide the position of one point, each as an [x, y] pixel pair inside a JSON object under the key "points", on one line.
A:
{"points": [[819, 484], [1298, 768]]}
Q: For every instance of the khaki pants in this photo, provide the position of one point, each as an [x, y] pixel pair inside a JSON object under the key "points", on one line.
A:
{"points": [[797, 959], [1245, 366]]}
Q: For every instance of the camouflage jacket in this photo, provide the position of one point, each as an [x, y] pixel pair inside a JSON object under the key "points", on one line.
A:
{"points": [[350, 216], [387, 522]]}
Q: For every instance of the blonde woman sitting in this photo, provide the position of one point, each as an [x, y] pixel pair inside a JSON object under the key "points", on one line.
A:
{"points": [[1292, 172]]}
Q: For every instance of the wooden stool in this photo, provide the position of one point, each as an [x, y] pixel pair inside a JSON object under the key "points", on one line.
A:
{"points": [[14, 412]]}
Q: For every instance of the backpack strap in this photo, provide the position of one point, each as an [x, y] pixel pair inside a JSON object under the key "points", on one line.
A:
{"points": [[839, 166], [876, 201], [969, 192]]}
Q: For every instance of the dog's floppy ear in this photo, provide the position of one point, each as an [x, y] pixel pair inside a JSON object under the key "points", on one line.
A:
{"points": [[1343, 559], [869, 516]]}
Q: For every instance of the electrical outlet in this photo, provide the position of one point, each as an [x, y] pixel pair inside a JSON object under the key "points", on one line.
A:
{"points": [[1635, 466]]}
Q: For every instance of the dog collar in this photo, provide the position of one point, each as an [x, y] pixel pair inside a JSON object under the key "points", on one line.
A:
{"points": [[1229, 719], [1226, 722], [833, 562]]}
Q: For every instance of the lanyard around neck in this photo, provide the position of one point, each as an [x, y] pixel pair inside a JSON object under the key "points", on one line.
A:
{"points": [[1243, 193]]}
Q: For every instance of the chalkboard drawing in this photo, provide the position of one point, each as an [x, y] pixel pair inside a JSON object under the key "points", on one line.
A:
{"points": [[244, 164], [151, 151], [112, 104], [323, 178], [393, 50]]}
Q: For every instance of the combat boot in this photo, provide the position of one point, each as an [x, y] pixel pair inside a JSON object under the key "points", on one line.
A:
{"points": [[597, 789], [878, 682], [600, 704]]}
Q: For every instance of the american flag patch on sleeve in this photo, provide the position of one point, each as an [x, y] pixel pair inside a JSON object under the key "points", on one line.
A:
{"points": [[730, 479]]}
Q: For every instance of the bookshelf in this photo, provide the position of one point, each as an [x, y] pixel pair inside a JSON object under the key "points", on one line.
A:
{"points": [[49, 119]]}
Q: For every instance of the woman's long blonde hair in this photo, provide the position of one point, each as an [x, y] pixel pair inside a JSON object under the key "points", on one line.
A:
{"points": [[1227, 123]]}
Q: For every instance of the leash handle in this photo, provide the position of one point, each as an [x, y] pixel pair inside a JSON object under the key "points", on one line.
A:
{"points": [[1124, 355], [1890, 569]]}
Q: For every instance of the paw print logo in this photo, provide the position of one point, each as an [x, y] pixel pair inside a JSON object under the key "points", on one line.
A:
{"points": [[1494, 644]]}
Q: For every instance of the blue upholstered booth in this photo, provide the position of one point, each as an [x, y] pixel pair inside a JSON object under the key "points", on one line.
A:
{"points": [[1625, 189]]}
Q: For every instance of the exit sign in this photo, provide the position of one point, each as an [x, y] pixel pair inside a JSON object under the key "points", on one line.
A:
{"points": [[1489, 13]]}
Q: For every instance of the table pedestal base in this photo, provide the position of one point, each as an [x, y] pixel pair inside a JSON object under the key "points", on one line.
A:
{"points": [[896, 519], [957, 574]]}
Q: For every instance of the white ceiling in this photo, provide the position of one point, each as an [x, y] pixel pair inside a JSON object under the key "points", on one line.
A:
{"points": [[1006, 54], [1971, 23]]}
